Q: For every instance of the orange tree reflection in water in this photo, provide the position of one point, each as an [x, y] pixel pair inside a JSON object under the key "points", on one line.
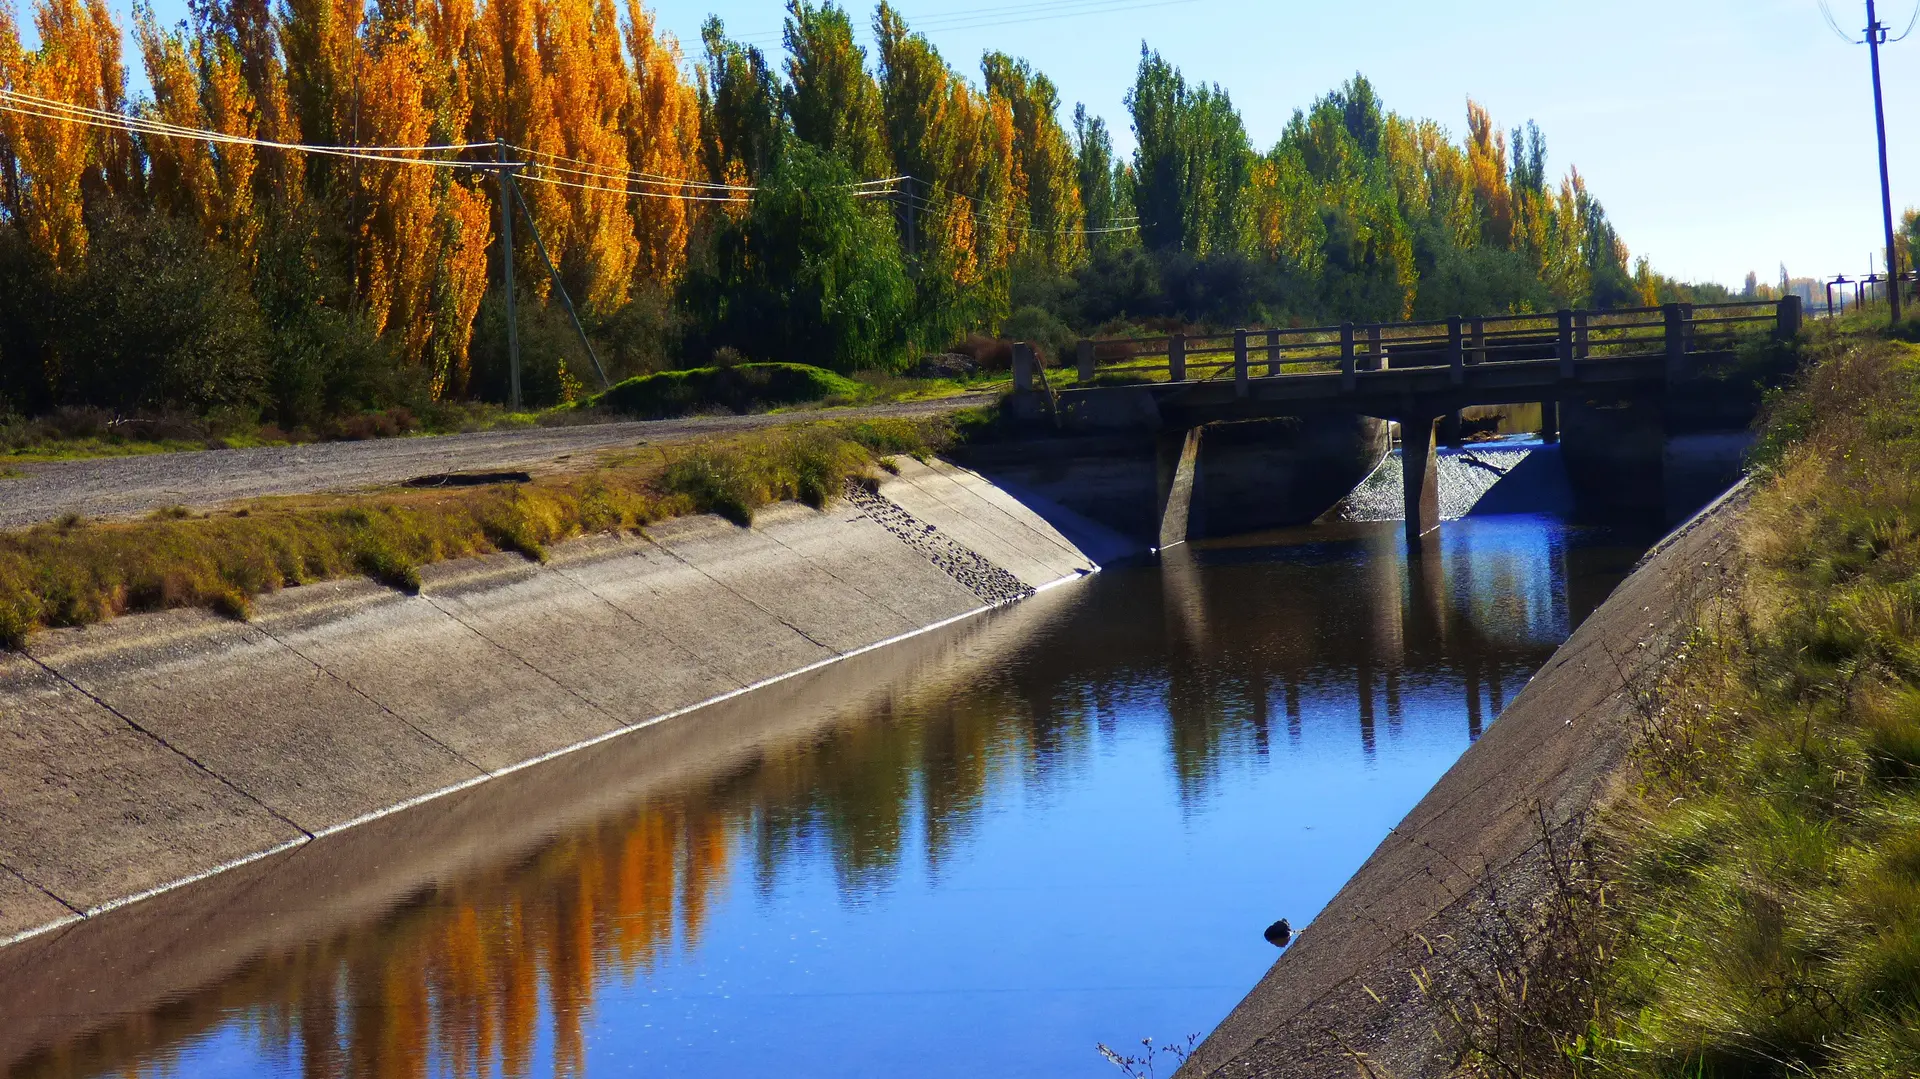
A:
{"points": [[467, 977]]}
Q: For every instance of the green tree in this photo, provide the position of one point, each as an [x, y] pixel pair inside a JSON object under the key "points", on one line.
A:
{"points": [[741, 125], [831, 99], [1192, 164], [812, 274], [1100, 179]]}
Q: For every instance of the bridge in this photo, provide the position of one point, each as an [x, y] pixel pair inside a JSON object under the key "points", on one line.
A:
{"points": [[1419, 375]]}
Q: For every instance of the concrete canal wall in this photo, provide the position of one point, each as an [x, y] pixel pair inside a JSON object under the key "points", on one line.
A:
{"points": [[156, 750], [1347, 998]]}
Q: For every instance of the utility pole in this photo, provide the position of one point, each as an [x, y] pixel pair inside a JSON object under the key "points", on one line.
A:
{"points": [[506, 275], [1876, 34]]}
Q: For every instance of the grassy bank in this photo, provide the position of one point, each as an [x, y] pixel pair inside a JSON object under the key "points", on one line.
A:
{"points": [[1758, 893], [74, 572], [745, 387]]}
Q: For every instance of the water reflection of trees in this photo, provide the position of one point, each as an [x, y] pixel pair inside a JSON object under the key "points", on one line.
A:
{"points": [[1235, 649]]}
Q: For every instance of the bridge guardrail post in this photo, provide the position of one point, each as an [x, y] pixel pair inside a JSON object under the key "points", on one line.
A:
{"points": [[1686, 325], [1349, 381], [1376, 355], [1177, 358], [1240, 373], [1273, 353], [1676, 323], [1582, 341], [1022, 366], [1456, 351], [1787, 324], [1479, 353], [1564, 344], [1083, 360]]}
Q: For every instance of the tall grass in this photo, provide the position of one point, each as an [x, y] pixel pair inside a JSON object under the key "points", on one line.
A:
{"points": [[1765, 869], [74, 572]]}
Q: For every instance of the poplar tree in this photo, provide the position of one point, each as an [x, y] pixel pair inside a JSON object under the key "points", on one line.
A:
{"points": [[831, 99], [740, 117], [663, 145], [1044, 168]]}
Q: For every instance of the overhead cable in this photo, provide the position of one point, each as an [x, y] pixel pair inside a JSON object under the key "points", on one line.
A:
{"points": [[24, 104]]}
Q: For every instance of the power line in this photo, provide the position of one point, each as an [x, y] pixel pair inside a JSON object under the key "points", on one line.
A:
{"points": [[631, 183], [24, 104]]}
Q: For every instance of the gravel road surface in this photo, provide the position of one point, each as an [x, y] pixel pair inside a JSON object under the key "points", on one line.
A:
{"points": [[129, 486]]}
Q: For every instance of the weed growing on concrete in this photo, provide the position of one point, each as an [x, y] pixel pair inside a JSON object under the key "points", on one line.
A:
{"points": [[1523, 989], [74, 571], [1144, 1066]]}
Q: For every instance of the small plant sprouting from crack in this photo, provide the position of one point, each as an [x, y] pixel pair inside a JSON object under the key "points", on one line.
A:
{"points": [[1142, 1066]]}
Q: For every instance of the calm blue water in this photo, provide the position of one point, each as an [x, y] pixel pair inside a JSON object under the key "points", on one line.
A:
{"points": [[1019, 853]]}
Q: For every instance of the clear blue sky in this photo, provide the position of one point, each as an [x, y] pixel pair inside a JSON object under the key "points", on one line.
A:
{"points": [[1722, 135]]}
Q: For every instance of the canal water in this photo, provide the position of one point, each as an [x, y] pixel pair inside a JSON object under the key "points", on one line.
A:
{"points": [[1061, 825]]}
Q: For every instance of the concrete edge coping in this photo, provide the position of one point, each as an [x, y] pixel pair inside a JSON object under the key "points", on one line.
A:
{"points": [[348, 596]]}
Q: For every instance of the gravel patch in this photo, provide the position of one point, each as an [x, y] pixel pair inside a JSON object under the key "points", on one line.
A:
{"points": [[974, 572], [131, 486]]}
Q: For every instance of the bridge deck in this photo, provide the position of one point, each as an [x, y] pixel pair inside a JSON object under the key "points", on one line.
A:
{"points": [[1415, 369]]}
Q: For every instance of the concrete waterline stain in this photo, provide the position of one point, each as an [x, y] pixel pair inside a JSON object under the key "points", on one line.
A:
{"points": [[1066, 823]]}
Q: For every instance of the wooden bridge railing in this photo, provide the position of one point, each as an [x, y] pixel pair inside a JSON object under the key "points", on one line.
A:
{"points": [[1673, 331]]}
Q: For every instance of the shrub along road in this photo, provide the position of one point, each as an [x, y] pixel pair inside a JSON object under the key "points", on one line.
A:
{"points": [[128, 486]]}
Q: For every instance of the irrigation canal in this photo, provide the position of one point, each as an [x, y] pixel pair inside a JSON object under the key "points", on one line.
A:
{"points": [[1066, 823]]}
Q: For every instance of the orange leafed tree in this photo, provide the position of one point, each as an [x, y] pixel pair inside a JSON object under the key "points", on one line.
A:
{"points": [[198, 82], [589, 232], [663, 144], [1487, 164], [78, 63], [511, 101]]}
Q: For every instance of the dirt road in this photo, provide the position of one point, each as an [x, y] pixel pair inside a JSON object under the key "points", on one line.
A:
{"points": [[128, 486]]}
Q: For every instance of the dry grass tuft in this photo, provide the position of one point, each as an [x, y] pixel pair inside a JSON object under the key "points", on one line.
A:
{"points": [[73, 571]]}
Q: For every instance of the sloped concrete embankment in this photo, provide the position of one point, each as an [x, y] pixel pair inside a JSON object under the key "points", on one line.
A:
{"points": [[1344, 1000], [152, 751]]}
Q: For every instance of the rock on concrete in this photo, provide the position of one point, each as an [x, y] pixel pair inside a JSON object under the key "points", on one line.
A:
{"points": [[156, 749]]}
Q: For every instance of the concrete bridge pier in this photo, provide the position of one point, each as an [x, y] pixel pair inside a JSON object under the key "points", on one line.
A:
{"points": [[1419, 479], [1615, 452], [1178, 471]]}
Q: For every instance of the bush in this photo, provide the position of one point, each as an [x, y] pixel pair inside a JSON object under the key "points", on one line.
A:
{"points": [[553, 368], [323, 360], [1053, 338], [739, 388], [156, 318], [642, 336]]}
